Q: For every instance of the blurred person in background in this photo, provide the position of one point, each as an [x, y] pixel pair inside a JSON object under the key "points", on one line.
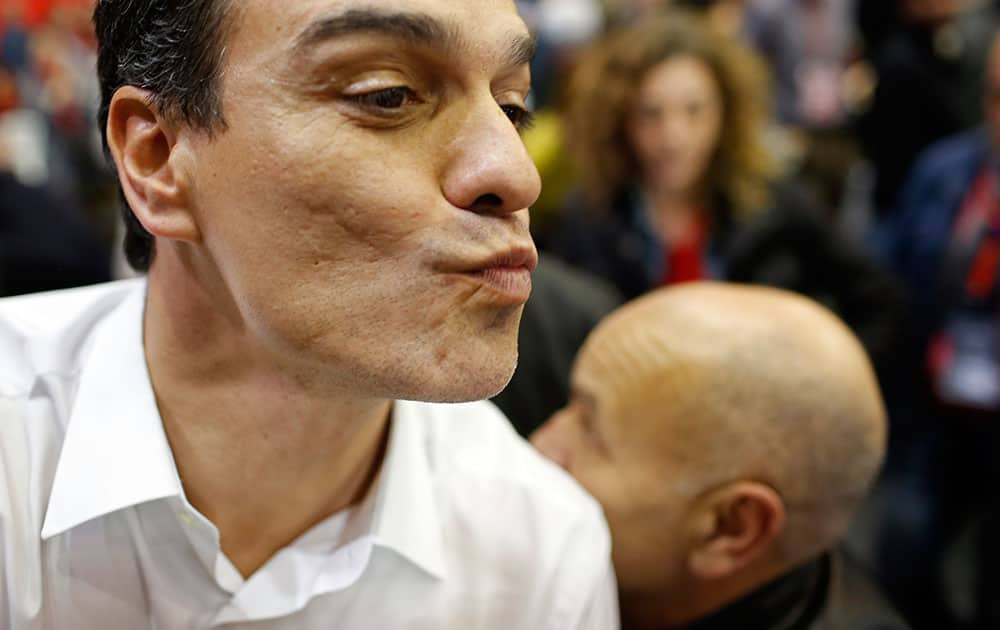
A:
{"points": [[820, 85], [875, 21], [64, 88], [8, 90], [928, 73], [14, 40], [624, 12], [46, 242], [726, 17], [666, 123], [561, 28], [50, 236], [730, 433], [944, 241], [809, 45]]}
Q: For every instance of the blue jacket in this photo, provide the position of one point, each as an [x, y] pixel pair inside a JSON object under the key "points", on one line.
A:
{"points": [[918, 235]]}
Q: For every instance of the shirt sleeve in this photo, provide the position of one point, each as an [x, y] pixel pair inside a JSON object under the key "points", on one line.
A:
{"points": [[601, 612]]}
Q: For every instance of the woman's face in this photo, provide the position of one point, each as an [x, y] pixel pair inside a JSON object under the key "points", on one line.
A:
{"points": [[675, 125]]}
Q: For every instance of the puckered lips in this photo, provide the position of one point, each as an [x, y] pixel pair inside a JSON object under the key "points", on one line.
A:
{"points": [[506, 274]]}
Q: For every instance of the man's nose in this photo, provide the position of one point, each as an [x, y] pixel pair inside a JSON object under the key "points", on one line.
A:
{"points": [[489, 169], [549, 442]]}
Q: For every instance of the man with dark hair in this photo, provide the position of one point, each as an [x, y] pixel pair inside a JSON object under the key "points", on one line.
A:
{"points": [[928, 68], [177, 61], [330, 199]]}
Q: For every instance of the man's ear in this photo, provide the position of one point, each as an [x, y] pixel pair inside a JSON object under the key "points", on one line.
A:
{"points": [[144, 147], [733, 526]]}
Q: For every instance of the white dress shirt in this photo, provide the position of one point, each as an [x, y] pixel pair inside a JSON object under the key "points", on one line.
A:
{"points": [[465, 527]]}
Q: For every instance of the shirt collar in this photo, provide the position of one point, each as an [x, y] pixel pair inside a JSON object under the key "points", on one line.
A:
{"points": [[406, 517], [115, 453]]}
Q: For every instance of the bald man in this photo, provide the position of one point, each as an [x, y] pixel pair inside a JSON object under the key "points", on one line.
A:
{"points": [[730, 433]]}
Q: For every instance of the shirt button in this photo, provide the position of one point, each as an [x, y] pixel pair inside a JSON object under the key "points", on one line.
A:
{"points": [[187, 519]]}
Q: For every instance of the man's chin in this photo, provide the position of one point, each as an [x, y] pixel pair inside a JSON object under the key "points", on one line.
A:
{"points": [[468, 392], [466, 384]]}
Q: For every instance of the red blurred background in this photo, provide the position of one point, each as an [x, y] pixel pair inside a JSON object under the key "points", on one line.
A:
{"points": [[32, 13]]}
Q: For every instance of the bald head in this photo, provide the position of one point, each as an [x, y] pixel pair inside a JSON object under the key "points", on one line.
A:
{"points": [[728, 432], [737, 382]]}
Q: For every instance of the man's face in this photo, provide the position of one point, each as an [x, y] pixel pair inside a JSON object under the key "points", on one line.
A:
{"points": [[366, 205], [611, 438]]}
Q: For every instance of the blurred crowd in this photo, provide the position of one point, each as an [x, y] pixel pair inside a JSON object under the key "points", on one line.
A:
{"points": [[56, 191], [842, 149]]}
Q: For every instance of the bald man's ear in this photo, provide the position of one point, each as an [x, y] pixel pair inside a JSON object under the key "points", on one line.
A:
{"points": [[143, 144], [734, 526]]}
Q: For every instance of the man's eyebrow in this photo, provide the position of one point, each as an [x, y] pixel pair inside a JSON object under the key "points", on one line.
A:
{"points": [[415, 28], [520, 51]]}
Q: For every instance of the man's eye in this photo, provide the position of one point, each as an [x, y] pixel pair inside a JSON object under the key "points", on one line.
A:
{"points": [[389, 98], [521, 117]]}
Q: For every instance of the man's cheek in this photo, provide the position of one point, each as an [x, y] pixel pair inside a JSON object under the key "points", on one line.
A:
{"points": [[354, 224]]}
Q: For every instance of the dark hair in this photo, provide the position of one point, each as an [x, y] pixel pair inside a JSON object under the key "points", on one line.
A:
{"points": [[173, 49]]}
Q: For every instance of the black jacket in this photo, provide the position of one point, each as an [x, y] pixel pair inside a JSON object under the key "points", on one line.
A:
{"points": [[829, 593], [789, 246], [46, 244]]}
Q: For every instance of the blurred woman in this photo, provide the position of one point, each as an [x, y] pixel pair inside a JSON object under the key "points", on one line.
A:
{"points": [[667, 123]]}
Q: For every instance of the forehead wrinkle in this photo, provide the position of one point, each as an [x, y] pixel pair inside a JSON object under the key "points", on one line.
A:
{"points": [[414, 28], [624, 356], [652, 384]]}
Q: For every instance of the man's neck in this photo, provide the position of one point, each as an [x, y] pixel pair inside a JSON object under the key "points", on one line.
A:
{"points": [[262, 453]]}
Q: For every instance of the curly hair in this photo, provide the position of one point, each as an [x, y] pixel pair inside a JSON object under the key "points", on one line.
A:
{"points": [[604, 87]]}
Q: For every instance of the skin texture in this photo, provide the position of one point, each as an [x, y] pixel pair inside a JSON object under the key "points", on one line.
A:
{"points": [[321, 254], [675, 126], [729, 433]]}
